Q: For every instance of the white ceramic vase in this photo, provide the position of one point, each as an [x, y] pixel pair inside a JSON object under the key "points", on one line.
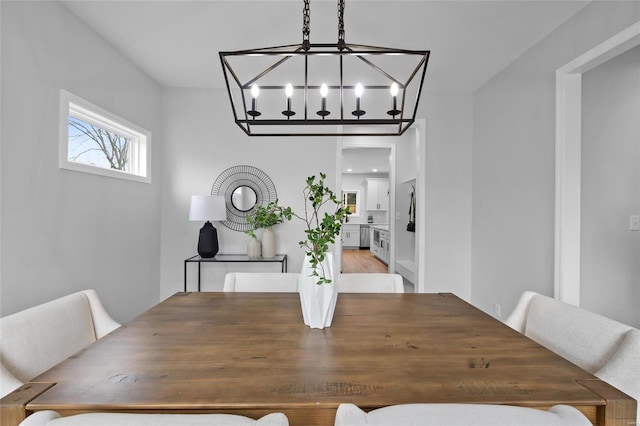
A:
{"points": [[254, 248], [268, 243], [318, 300]]}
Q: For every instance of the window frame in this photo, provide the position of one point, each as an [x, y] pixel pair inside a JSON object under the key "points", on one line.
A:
{"points": [[140, 139], [345, 193]]}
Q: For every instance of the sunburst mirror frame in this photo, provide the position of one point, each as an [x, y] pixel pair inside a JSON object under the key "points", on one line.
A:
{"points": [[243, 176]]}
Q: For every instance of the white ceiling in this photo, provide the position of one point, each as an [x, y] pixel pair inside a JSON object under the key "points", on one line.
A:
{"points": [[177, 42]]}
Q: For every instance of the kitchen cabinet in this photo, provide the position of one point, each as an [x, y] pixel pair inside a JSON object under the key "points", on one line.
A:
{"points": [[376, 251], [378, 194], [380, 243], [350, 236], [384, 245]]}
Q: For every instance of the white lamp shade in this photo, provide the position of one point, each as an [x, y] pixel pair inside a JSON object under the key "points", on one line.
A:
{"points": [[207, 207]]}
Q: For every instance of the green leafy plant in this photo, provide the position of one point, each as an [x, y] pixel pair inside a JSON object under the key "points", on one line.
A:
{"points": [[322, 226], [266, 216]]}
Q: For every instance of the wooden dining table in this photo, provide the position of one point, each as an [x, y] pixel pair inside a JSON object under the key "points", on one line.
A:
{"points": [[251, 354]]}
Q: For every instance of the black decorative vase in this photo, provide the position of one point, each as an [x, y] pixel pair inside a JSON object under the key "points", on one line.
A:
{"points": [[208, 241]]}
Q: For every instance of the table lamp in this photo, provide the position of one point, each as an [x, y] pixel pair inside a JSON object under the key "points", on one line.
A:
{"points": [[207, 208]]}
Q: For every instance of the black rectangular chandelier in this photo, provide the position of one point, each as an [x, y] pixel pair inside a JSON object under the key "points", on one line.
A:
{"points": [[324, 89]]}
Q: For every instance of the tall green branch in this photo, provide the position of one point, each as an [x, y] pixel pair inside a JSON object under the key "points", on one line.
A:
{"points": [[320, 232]]}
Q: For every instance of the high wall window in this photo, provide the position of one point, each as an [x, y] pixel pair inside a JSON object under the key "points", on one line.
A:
{"points": [[96, 141]]}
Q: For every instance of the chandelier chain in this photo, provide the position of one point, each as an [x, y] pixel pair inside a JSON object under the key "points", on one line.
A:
{"points": [[306, 25], [341, 41]]}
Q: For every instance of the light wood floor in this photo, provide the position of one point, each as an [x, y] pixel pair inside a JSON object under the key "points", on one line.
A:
{"points": [[354, 260]]}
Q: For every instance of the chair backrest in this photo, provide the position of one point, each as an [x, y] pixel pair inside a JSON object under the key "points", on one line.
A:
{"points": [[271, 282], [103, 324], [459, 414], [370, 283], [8, 382], [44, 418], [36, 339], [606, 348]]}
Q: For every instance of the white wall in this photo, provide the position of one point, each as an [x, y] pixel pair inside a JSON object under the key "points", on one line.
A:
{"points": [[1, 180], [449, 118], [64, 231], [513, 160], [201, 142], [610, 252]]}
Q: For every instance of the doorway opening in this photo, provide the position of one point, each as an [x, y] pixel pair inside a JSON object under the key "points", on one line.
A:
{"points": [[405, 216], [568, 155], [366, 185]]}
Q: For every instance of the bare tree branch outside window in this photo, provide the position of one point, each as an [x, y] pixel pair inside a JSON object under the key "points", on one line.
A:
{"points": [[96, 146]]}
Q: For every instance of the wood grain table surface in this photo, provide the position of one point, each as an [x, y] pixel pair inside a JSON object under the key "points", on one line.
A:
{"points": [[251, 354]]}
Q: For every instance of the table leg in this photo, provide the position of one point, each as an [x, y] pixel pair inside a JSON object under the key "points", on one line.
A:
{"points": [[199, 263]]}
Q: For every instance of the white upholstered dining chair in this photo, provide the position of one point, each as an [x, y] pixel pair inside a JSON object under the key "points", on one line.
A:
{"points": [[52, 418], [370, 283], [459, 415], [605, 348], [288, 282], [36, 339], [271, 282]]}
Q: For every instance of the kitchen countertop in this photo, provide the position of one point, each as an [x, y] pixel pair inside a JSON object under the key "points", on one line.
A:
{"points": [[382, 226]]}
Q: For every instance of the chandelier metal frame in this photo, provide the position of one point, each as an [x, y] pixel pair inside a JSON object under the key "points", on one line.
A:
{"points": [[348, 123]]}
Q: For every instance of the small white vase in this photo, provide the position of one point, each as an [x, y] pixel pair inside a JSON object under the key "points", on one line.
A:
{"points": [[318, 301], [268, 243], [254, 248]]}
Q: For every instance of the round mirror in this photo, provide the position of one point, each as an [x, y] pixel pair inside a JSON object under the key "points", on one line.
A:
{"points": [[244, 198], [243, 188]]}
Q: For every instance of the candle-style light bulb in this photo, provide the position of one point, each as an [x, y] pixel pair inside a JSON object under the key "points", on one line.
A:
{"points": [[359, 91], [394, 95], [324, 91], [288, 92], [394, 89], [255, 91]]}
